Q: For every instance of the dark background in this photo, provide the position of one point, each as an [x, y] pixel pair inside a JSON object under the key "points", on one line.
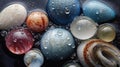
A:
{"points": [[8, 59]]}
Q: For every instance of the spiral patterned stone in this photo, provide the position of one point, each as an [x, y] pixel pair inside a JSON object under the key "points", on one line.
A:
{"points": [[97, 53], [57, 44]]}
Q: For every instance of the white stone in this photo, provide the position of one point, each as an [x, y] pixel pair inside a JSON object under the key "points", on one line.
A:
{"points": [[13, 15], [83, 28]]}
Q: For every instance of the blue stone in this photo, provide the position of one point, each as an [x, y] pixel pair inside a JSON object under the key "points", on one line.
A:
{"points": [[57, 44], [62, 12], [98, 11]]}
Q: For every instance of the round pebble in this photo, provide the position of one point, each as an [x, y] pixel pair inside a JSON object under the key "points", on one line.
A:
{"points": [[62, 12], [13, 15], [57, 44], [37, 21], [83, 28], [19, 41], [106, 32], [98, 11], [33, 58]]}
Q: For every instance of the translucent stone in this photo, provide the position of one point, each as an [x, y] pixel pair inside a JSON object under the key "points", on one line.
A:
{"points": [[83, 28], [19, 41], [106, 32]]}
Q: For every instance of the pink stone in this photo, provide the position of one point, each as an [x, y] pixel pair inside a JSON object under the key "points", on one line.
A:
{"points": [[19, 41]]}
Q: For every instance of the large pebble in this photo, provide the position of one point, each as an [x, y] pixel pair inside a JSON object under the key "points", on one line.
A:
{"points": [[62, 12], [13, 15], [98, 11], [57, 44]]}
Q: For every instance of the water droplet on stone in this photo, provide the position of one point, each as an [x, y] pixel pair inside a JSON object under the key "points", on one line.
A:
{"points": [[97, 12], [60, 33], [67, 11], [45, 47], [69, 44], [68, 38], [74, 5], [79, 27], [73, 46], [15, 40], [53, 8]]}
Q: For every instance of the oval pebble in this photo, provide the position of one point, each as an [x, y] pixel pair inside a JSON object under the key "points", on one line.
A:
{"points": [[98, 11], [13, 15]]}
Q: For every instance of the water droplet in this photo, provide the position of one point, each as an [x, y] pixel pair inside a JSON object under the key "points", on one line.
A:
{"points": [[97, 12], [60, 33], [79, 28], [68, 38], [69, 44], [73, 46], [45, 47], [67, 11], [53, 8], [52, 2], [15, 40], [74, 5]]}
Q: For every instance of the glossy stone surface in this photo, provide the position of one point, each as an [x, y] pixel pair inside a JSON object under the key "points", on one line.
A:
{"points": [[33, 58], [19, 41], [98, 11], [106, 32], [13, 15], [62, 12], [57, 44], [83, 28], [37, 21]]}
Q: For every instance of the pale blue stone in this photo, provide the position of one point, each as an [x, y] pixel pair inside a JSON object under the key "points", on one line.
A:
{"points": [[98, 11]]}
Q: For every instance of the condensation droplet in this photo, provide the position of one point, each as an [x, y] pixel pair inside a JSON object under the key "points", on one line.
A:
{"points": [[97, 12], [74, 5], [53, 8], [60, 33], [69, 44], [45, 47], [67, 11], [73, 46], [15, 40]]}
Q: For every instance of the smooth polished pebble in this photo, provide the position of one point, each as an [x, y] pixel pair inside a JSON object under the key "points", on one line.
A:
{"points": [[34, 58], [37, 21], [83, 28], [62, 12], [13, 15], [106, 32], [57, 44], [98, 11]]}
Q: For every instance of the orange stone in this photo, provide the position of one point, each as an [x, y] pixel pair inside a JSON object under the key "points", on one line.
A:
{"points": [[37, 21]]}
